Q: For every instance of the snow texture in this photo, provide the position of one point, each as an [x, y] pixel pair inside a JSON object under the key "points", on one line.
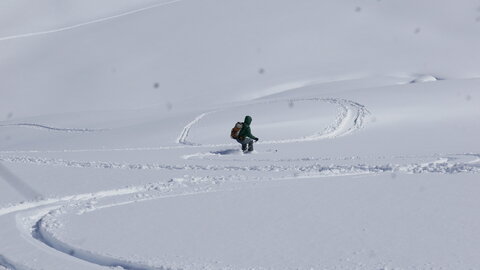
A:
{"points": [[115, 119]]}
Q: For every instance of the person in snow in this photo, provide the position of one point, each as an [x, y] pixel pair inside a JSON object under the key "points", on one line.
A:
{"points": [[245, 137]]}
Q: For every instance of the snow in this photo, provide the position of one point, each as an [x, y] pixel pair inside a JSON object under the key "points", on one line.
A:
{"points": [[246, 228], [115, 119]]}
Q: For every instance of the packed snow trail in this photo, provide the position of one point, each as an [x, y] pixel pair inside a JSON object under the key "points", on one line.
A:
{"points": [[71, 27], [443, 165]]}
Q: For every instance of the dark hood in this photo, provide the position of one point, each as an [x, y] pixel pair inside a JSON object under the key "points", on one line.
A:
{"points": [[248, 120]]}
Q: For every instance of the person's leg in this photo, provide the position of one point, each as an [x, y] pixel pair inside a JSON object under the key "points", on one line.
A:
{"points": [[248, 142], [250, 146], [244, 145]]}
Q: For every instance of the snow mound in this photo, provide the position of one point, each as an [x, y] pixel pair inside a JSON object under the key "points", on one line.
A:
{"points": [[424, 78]]}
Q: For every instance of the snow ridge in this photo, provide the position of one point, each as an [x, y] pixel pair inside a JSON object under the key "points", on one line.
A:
{"points": [[39, 126]]}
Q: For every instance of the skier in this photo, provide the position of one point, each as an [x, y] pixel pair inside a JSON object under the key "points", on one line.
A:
{"points": [[245, 137]]}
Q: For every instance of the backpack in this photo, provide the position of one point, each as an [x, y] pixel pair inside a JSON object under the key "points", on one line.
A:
{"points": [[236, 130]]}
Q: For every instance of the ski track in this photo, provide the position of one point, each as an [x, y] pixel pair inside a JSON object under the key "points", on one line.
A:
{"points": [[36, 221], [350, 119], [43, 230], [42, 214], [211, 154], [42, 234], [440, 166], [38, 126], [182, 138], [71, 27], [44, 211], [4, 264]]}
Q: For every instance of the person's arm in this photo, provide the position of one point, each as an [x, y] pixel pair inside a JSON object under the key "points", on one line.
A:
{"points": [[250, 135]]}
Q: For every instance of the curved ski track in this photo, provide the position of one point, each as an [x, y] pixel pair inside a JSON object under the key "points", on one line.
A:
{"points": [[66, 28], [4, 264], [350, 118], [41, 215], [37, 219]]}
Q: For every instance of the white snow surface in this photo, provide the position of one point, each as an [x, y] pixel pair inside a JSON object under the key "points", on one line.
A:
{"points": [[115, 119]]}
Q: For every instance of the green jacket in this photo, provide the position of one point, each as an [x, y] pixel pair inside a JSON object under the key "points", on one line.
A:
{"points": [[245, 131]]}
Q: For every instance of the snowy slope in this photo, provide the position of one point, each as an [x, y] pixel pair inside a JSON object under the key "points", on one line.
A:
{"points": [[115, 148]]}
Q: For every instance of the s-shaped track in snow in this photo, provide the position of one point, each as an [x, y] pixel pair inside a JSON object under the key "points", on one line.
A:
{"points": [[351, 117], [31, 225]]}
